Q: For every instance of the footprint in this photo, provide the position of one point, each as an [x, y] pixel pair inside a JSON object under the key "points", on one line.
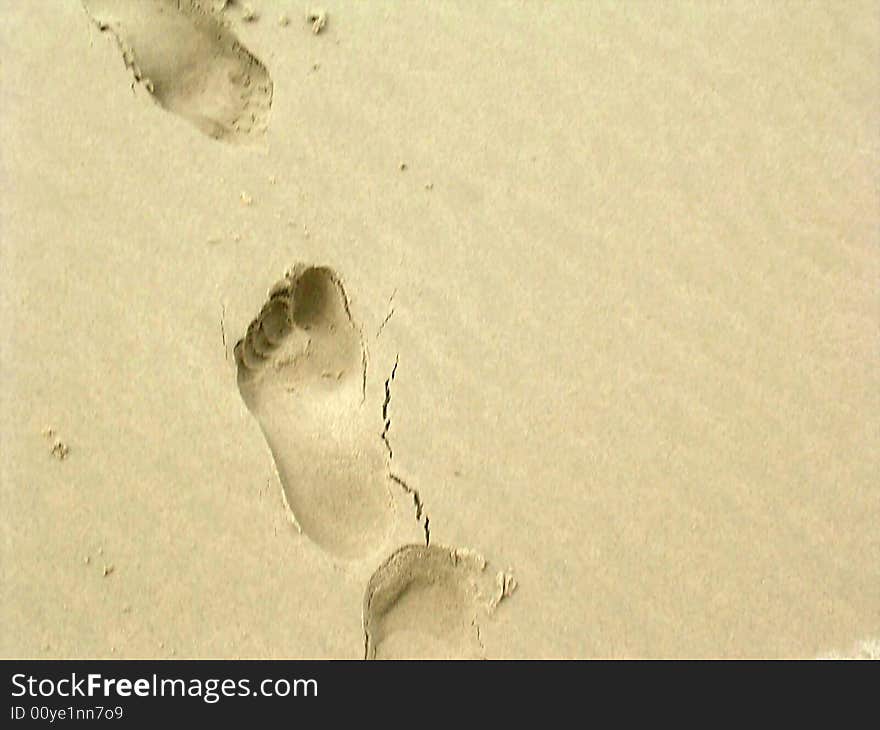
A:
{"points": [[426, 602], [191, 64], [302, 373]]}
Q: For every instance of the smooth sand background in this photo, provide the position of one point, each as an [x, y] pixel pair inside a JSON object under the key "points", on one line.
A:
{"points": [[636, 318]]}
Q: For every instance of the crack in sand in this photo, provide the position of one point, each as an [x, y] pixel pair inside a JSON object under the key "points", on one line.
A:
{"points": [[384, 322], [386, 420], [387, 316], [419, 505], [223, 331]]}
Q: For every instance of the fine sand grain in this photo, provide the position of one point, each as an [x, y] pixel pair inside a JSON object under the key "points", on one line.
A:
{"points": [[499, 329]]}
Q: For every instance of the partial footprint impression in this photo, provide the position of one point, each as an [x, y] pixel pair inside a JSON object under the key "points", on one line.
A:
{"points": [[301, 373], [427, 602], [191, 64]]}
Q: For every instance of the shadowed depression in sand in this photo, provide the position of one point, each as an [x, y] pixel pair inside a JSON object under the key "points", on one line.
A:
{"points": [[425, 602], [191, 64], [301, 370]]}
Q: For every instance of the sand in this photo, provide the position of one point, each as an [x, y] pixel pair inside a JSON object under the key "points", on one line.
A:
{"points": [[507, 329]]}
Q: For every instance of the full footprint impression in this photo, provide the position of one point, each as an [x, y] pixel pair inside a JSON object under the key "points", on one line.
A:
{"points": [[301, 373], [191, 64], [427, 602]]}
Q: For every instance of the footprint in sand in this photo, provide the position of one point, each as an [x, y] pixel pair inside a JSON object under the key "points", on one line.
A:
{"points": [[191, 64], [427, 602], [301, 373]]}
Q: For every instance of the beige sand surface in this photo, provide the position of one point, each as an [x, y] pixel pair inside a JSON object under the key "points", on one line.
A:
{"points": [[599, 290]]}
